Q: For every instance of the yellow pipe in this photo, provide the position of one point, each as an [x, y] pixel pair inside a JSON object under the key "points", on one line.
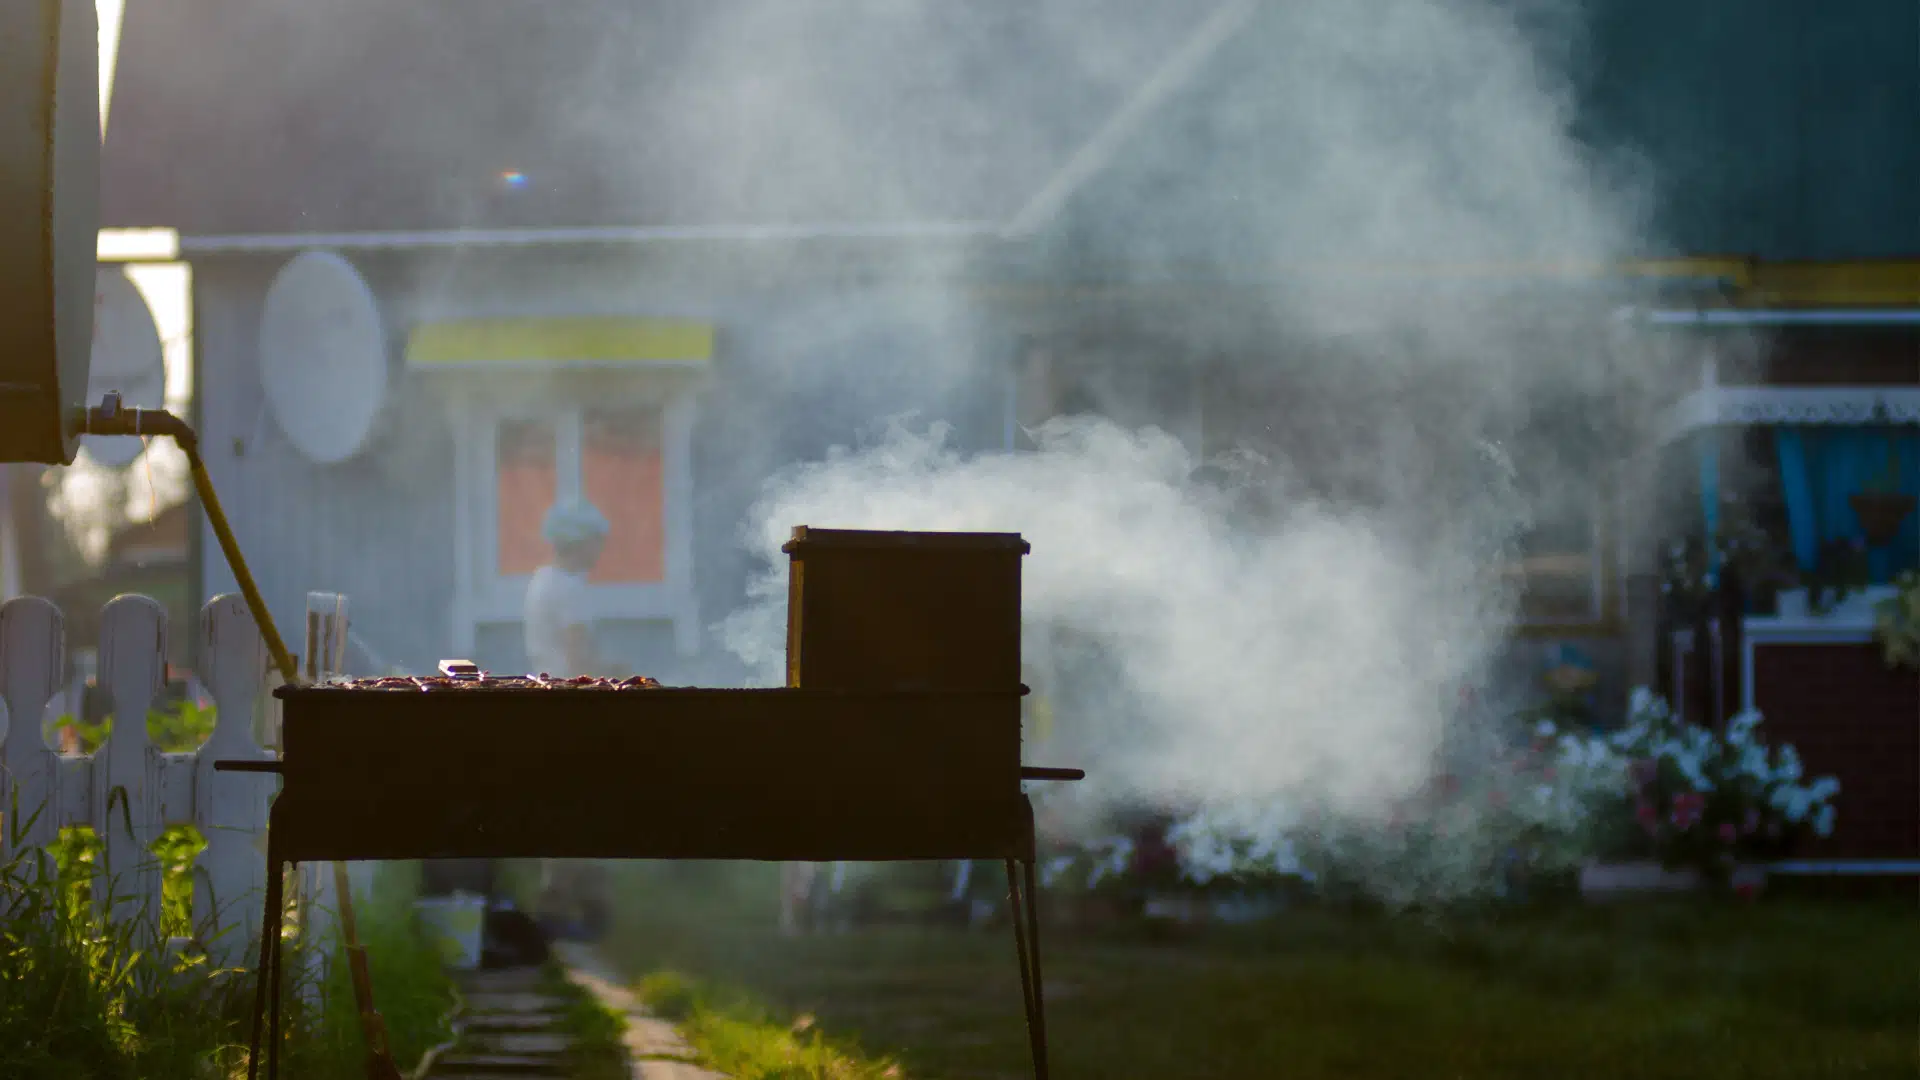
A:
{"points": [[108, 418], [276, 647]]}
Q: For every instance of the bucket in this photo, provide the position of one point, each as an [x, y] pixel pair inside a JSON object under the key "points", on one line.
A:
{"points": [[455, 922]]}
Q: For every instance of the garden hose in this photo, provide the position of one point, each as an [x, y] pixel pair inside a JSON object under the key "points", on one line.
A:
{"points": [[109, 418]]}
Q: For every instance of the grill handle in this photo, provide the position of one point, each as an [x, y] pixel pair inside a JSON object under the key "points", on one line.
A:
{"points": [[274, 767], [1027, 772]]}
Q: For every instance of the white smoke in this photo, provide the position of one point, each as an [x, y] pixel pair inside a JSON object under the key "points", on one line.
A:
{"points": [[1316, 653]]}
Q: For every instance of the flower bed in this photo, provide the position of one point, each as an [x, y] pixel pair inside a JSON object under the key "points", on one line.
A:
{"points": [[1665, 803]]}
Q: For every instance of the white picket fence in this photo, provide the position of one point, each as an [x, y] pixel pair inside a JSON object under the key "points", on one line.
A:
{"points": [[129, 791]]}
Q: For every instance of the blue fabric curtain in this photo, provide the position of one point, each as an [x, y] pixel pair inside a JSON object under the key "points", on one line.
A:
{"points": [[1821, 465]]}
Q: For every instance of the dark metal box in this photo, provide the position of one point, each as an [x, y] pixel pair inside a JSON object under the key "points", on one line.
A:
{"points": [[910, 611]]}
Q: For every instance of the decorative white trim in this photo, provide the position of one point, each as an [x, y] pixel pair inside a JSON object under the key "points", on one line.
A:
{"points": [[1748, 405]]}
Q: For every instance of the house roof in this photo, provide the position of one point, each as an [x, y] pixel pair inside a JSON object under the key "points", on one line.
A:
{"points": [[309, 116]]}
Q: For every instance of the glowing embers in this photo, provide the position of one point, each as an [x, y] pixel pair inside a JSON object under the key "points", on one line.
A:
{"points": [[417, 683]]}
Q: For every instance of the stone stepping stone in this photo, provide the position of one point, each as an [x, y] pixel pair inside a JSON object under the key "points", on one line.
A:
{"points": [[486, 1004], [515, 980], [520, 1044], [504, 1023], [472, 1064]]}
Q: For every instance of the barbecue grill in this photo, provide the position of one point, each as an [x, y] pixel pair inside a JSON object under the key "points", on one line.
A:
{"points": [[897, 737]]}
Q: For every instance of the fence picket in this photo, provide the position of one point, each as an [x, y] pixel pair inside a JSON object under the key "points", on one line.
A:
{"points": [[126, 769], [32, 652], [231, 807]]}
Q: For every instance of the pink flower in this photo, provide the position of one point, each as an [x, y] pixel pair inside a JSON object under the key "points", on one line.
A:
{"points": [[1747, 891], [1548, 773], [1728, 834], [1647, 816]]}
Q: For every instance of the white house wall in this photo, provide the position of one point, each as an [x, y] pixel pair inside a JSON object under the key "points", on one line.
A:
{"points": [[804, 360]]}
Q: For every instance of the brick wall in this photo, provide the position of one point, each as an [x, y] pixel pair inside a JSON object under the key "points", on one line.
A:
{"points": [[1851, 717]]}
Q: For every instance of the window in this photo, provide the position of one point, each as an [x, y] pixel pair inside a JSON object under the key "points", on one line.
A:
{"points": [[526, 480], [610, 456], [1559, 565]]}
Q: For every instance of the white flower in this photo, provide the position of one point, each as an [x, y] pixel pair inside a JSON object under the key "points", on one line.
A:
{"points": [[1823, 821], [1545, 729], [1823, 789]]}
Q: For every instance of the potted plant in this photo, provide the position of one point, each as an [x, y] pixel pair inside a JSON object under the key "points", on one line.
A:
{"points": [[1715, 806], [1881, 506], [1896, 622]]}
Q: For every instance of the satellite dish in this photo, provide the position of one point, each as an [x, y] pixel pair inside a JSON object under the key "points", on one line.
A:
{"points": [[323, 356], [50, 189], [127, 358]]}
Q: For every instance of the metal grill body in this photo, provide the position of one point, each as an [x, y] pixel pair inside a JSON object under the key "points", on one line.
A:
{"points": [[897, 737]]}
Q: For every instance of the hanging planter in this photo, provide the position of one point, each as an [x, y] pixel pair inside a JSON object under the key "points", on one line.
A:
{"points": [[1881, 514]]}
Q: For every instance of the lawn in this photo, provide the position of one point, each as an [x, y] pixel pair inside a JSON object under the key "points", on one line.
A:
{"points": [[1797, 989]]}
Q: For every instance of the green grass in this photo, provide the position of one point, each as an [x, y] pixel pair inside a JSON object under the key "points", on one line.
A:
{"points": [[1695, 990], [411, 989], [599, 1049], [79, 1000]]}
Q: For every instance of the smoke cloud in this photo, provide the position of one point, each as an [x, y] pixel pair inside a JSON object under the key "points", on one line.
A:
{"points": [[1313, 651]]}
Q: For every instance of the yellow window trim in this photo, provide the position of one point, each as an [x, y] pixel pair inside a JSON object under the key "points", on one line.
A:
{"points": [[599, 341]]}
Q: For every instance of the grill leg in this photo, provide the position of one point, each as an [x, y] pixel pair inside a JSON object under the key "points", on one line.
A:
{"points": [[269, 960], [1026, 940], [273, 987]]}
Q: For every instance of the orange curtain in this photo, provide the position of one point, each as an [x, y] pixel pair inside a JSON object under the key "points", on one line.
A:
{"points": [[526, 479], [621, 471]]}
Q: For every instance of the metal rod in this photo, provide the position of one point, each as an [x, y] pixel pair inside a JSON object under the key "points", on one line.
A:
{"points": [[273, 986], [1029, 993], [269, 935], [1035, 772]]}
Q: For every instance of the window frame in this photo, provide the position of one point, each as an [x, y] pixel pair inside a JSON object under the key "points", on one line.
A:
{"points": [[483, 595]]}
